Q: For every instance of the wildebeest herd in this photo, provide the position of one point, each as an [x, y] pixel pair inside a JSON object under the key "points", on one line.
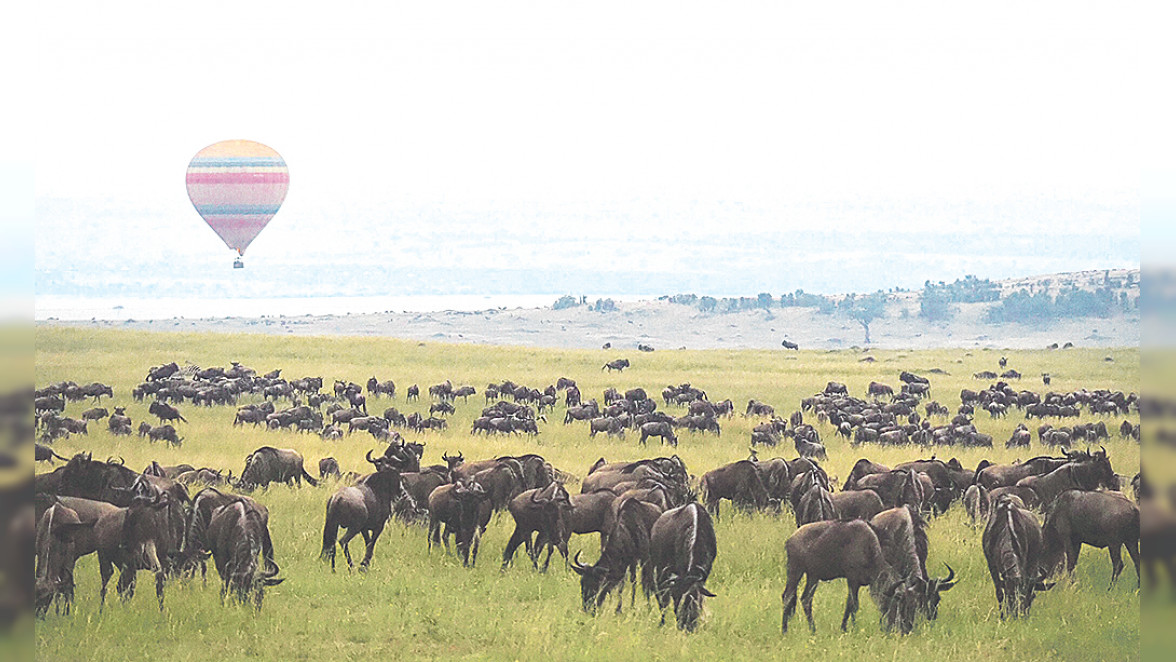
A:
{"points": [[654, 518]]}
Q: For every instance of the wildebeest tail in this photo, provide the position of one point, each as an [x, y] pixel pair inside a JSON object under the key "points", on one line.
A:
{"points": [[307, 478], [330, 532]]}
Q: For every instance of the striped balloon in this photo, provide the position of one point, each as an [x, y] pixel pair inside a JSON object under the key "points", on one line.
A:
{"points": [[237, 187]]}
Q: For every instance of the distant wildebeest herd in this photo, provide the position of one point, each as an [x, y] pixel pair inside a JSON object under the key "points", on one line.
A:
{"points": [[655, 520]]}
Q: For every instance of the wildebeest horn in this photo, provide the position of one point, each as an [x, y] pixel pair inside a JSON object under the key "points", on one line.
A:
{"points": [[949, 581], [369, 457], [110, 460], [580, 568], [1104, 450], [702, 590]]}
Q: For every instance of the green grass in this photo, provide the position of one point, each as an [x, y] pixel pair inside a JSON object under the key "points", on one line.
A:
{"points": [[413, 604]]}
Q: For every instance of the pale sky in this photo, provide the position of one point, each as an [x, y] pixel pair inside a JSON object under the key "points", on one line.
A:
{"points": [[491, 107]]}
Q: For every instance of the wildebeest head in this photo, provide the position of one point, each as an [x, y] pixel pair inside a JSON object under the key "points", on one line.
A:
{"points": [[931, 589], [691, 588], [899, 605], [453, 461], [595, 582]]}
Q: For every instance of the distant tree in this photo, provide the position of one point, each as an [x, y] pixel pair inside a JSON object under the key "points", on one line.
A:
{"points": [[764, 300], [604, 306], [935, 303], [707, 304], [865, 309]]}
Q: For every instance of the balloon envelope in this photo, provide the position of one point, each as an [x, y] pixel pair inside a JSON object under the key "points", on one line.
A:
{"points": [[237, 187]]}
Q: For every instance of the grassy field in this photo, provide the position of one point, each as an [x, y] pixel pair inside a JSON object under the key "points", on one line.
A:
{"points": [[413, 604]]}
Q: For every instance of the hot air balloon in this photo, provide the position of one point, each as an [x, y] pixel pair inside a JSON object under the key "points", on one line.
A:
{"points": [[237, 187]]}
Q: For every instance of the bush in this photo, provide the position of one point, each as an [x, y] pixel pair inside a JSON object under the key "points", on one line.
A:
{"points": [[565, 302]]}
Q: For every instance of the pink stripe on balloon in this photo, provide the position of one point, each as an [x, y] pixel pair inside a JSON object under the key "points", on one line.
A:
{"points": [[244, 194], [238, 177]]}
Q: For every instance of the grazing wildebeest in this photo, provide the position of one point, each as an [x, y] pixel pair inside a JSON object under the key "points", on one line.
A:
{"points": [[902, 533], [544, 512], [268, 465], [831, 550], [1012, 545], [1088, 474], [740, 482], [362, 508], [329, 467], [682, 550], [856, 504], [626, 548], [788, 344], [816, 501], [878, 389], [44, 453], [237, 534], [659, 429], [95, 413], [1099, 519], [164, 433], [976, 502], [464, 509], [196, 544], [618, 365]]}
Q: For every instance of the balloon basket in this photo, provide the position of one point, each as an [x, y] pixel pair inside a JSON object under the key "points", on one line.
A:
{"points": [[238, 264]]}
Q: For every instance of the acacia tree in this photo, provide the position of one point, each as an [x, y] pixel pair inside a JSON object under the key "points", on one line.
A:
{"points": [[865, 309]]}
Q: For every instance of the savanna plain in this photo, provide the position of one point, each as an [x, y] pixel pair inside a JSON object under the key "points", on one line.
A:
{"points": [[416, 604]]}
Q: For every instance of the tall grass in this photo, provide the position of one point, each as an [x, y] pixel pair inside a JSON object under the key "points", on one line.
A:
{"points": [[415, 604]]}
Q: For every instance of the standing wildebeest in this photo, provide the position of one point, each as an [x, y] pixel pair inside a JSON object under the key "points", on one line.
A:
{"points": [[56, 554], [363, 508], [237, 534], [134, 538], [464, 509], [618, 365], [902, 533], [831, 550], [542, 511], [976, 502], [165, 412], [1100, 519], [197, 545], [268, 465], [1086, 474], [627, 548], [739, 481], [659, 429], [816, 502], [1012, 544], [682, 550]]}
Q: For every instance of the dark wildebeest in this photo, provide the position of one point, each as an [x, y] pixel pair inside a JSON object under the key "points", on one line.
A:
{"points": [[329, 467], [659, 429], [976, 502], [56, 554], [740, 482], [134, 538], [682, 550], [618, 365], [856, 504], [362, 508], [1100, 519], [464, 509], [902, 533], [831, 550], [861, 468], [1088, 474], [626, 548], [44, 453], [197, 545], [237, 534], [165, 412], [269, 465], [816, 502], [1013, 544], [544, 512], [164, 433], [788, 344], [162, 372], [95, 413], [96, 390]]}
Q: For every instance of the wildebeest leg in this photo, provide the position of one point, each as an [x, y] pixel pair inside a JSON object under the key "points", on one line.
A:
{"points": [[1117, 564], [516, 539], [788, 597], [1133, 552], [126, 582], [347, 536], [106, 569], [1072, 556], [806, 600], [371, 544], [155, 566], [851, 605]]}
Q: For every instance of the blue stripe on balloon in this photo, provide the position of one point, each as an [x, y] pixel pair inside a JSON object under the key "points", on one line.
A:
{"points": [[237, 210], [237, 162]]}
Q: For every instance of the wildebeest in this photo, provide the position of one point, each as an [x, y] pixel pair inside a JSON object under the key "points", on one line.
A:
{"points": [[464, 509], [626, 550], [95, 414], [44, 453], [540, 511], [1088, 474], [788, 344], [816, 501], [268, 465], [164, 433], [56, 553], [682, 549], [196, 544], [1013, 545], [329, 468], [618, 365], [134, 538], [237, 535], [740, 482], [659, 429], [902, 533], [829, 550], [165, 412], [362, 508], [1099, 519], [976, 503]]}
